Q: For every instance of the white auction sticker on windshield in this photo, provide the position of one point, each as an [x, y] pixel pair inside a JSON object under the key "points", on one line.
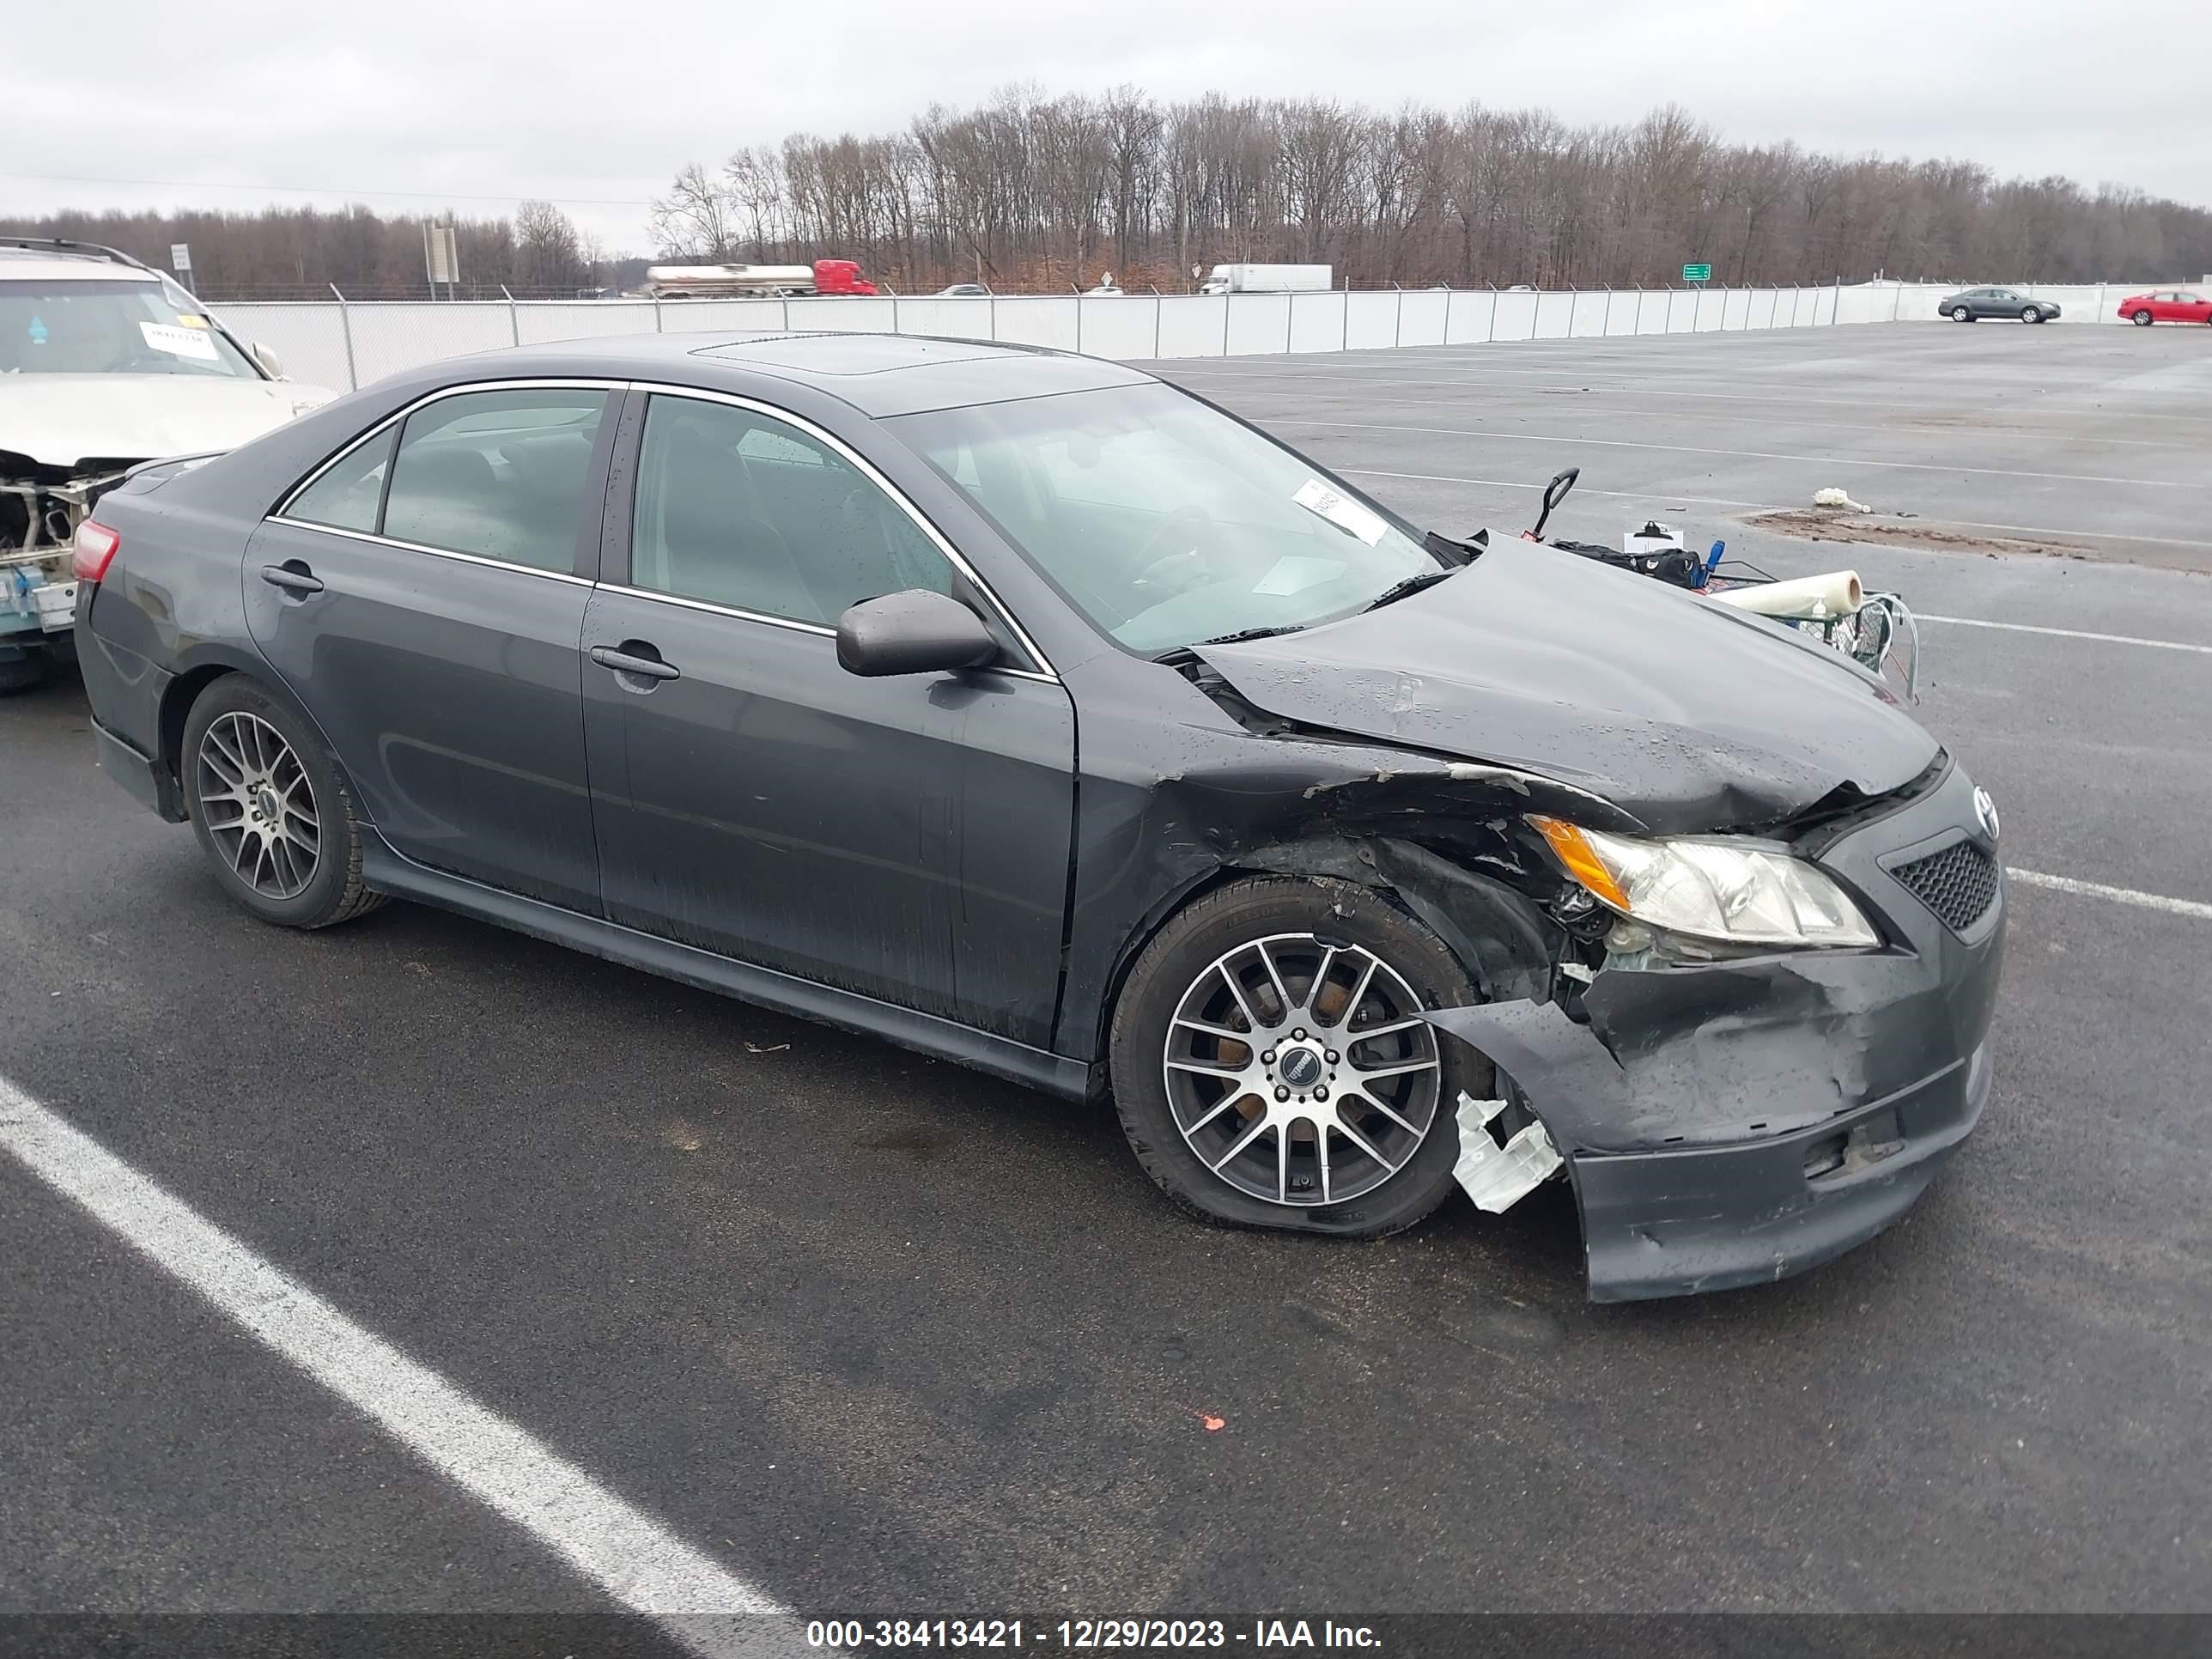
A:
{"points": [[1341, 510], [180, 342], [1293, 573]]}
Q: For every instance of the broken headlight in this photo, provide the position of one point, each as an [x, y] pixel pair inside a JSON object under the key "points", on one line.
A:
{"points": [[1709, 888]]}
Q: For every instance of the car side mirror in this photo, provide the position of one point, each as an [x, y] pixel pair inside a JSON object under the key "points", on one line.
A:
{"points": [[915, 632], [268, 358]]}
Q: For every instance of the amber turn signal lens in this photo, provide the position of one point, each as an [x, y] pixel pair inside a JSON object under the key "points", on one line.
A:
{"points": [[1573, 850]]}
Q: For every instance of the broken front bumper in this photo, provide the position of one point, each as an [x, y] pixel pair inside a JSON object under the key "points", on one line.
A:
{"points": [[1674, 1222], [1733, 1122]]}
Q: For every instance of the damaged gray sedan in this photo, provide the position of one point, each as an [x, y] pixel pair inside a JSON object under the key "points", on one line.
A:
{"points": [[1031, 713]]}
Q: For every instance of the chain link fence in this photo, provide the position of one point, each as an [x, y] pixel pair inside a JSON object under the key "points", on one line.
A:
{"points": [[348, 344]]}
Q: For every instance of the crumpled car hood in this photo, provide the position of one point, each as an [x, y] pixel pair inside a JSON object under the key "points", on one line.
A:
{"points": [[59, 420], [1690, 715]]}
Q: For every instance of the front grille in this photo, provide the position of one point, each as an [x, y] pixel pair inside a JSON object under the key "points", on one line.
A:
{"points": [[1958, 883]]}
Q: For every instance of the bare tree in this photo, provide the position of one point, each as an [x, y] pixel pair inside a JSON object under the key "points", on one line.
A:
{"points": [[549, 253], [1027, 189], [696, 219]]}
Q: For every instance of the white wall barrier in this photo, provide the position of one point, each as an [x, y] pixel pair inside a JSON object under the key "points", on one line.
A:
{"points": [[344, 344]]}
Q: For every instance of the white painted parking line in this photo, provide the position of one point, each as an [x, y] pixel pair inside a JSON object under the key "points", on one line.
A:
{"points": [[2178, 907], [702, 1605], [1294, 377], [2050, 532], [1991, 427], [1666, 392], [1522, 483], [1829, 461], [2067, 633]]}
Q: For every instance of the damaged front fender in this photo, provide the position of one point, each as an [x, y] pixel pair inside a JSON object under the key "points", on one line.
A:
{"points": [[1445, 837]]}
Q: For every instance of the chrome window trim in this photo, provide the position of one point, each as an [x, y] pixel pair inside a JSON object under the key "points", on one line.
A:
{"points": [[792, 623], [738, 611], [434, 552], [1044, 672], [282, 511]]}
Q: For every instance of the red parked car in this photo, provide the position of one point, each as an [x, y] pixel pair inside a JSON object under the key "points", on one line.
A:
{"points": [[2167, 305]]}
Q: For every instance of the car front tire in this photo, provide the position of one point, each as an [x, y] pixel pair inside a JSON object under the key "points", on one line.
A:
{"points": [[2030, 314], [1270, 1067], [271, 809]]}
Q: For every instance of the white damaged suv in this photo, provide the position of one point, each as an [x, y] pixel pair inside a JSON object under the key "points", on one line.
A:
{"points": [[104, 363]]}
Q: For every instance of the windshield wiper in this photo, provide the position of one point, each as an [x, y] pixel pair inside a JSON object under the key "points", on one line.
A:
{"points": [[1411, 585], [1242, 634], [1458, 552]]}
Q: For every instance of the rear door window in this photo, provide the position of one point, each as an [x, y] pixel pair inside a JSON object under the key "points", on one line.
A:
{"points": [[500, 475], [349, 495]]}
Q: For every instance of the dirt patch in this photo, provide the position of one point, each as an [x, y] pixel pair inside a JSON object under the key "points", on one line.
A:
{"points": [[1819, 524]]}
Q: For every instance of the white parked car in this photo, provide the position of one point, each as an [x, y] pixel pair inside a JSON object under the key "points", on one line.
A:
{"points": [[104, 363]]}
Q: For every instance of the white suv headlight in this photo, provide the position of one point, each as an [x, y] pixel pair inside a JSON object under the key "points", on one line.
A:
{"points": [[1709, 888]]}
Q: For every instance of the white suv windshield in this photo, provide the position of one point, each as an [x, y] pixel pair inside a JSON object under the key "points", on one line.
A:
{"points": [[104, 326], [1163, 521]]}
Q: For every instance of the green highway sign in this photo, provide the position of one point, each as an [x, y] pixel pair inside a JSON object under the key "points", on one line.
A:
{"points": [[1697, 273]]}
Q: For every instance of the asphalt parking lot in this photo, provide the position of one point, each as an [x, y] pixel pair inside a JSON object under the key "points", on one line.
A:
{"points": [[878, 1336]]}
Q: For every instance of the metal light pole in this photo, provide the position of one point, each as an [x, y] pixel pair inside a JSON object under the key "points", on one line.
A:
{"points": [[345, 326]]}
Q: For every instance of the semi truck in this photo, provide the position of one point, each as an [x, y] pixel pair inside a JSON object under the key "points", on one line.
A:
{"points": [[1268, 279], [756, 282]]}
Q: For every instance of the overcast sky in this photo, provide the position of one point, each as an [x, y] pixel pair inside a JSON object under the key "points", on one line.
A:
{"points": [[475, 104]]}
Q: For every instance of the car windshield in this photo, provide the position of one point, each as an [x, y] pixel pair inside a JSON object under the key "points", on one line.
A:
{"points": [[102, 326], [1164, 521]]}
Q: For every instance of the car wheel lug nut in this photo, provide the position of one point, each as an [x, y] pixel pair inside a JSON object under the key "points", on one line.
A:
{"points": [[1333, 1056], [1282, 1093], [1321, 1093]]}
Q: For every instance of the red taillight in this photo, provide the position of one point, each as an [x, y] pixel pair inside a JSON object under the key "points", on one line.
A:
{"points": [[94, 551]]}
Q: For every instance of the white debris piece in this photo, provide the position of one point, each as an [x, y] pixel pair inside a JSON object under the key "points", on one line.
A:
{"points": [[1832, 496], [1499, 1177]]}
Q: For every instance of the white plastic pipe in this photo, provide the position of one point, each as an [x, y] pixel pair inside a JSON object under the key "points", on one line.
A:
{"points": [[1808, 599]]}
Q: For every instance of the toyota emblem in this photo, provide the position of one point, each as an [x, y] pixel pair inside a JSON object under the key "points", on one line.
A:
{"points": [[1986, 810]]}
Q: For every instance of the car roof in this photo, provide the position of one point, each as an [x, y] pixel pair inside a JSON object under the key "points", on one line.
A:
{"points": [[879, 374], [50, 265]]}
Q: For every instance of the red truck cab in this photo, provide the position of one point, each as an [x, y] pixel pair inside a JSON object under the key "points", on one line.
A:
{"points": [[840, 277]]}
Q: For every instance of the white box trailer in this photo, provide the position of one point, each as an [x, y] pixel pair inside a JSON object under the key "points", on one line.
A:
{"points": [[1268, 279]]}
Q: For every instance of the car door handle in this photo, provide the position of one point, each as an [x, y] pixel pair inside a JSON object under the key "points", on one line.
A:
{"points": [[621, 662], [293, 578]]}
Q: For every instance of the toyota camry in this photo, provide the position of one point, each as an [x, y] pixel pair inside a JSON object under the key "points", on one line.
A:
{"points": [[1031, 712]]}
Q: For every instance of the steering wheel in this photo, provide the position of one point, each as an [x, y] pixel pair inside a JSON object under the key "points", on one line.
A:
{"points": [[1193, 527]]}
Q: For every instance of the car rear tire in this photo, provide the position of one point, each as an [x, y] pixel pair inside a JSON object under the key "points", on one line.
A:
{"points": [[2030, 314], [2143, 319], [1270, 1066], [271, 809], [1961, 314]]}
